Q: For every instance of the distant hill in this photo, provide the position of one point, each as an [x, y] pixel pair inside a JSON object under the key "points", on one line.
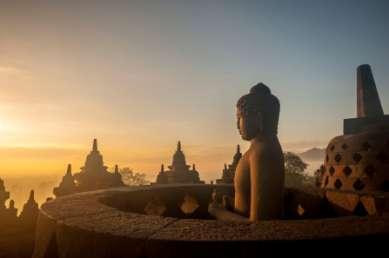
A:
{"points": [[314, 154]]}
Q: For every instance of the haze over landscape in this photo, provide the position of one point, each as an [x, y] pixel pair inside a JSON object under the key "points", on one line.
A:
{"points": [[141, 76]]}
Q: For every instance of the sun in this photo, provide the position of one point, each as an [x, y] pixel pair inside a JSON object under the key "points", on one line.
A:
{"points": [[5, 125]]}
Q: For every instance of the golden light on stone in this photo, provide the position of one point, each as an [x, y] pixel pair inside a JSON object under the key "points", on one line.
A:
{"points": [[155, 207], [189, 205]]}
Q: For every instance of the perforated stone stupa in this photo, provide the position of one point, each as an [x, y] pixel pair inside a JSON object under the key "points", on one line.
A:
{"points": [[356, 166]]}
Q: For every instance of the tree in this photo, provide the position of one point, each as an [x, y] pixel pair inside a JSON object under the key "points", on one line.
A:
{"points": [[318, 176], [294, 170], [130, 177], [294, 164]]}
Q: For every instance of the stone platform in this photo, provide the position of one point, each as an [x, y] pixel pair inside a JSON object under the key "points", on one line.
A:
{"points": [[119, 222]]}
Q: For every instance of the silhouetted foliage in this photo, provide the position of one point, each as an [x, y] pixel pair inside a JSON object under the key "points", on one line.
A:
{"points": [[294, 171], [294, 164], [318, 175], [130, 177]]}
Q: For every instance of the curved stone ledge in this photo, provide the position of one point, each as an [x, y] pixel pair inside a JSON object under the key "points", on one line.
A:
{"points": [[109, 223]]}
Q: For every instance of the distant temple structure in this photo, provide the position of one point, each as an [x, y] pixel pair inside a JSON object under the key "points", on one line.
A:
{"points": [[8, 216], [29, 214], [17, 234], [179, 171], [93, 175], [67, 185], [229, 171]]}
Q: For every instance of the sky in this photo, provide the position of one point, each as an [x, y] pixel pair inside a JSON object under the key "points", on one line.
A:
{"points": [[141, 75]]}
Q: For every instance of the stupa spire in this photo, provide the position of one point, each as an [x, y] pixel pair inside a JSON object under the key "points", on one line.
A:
{"points": [[179, 146], [116, 169], [32, 196], [94, 145], [69, 170], [162, 168], [368, 101]]}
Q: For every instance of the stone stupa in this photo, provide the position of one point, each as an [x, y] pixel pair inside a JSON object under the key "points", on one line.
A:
{"points": [[355, 175], [179, 171]]}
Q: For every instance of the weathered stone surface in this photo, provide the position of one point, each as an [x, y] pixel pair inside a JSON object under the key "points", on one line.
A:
{"points": [[300, 204], [369, 108], [112, 232], [358, 161], [45, 239], [343, 203], [116, 234], [16, 242], [73, 206], [376, 204], [368, 101], [356, 125], [365, 160]]}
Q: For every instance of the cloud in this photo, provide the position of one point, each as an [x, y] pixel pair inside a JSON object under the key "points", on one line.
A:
{"points": [[38, 152], [298, 146], [11, 70]]}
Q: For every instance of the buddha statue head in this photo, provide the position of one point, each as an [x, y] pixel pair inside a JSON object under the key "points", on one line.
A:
{"points": [[258, 113]]}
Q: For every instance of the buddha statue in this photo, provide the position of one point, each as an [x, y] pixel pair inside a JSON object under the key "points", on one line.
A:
{"points": [[259, 176]]}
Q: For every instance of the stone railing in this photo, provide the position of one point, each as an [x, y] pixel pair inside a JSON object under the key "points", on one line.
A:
{"points": [[172, 221]]}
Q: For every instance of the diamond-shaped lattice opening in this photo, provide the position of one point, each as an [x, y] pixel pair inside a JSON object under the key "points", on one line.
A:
{"points": [[370, 170], [338, 184], [332, 171], [366, 146], [357, 157], [326, 181], [322, 169], [347, 171], [300, 210], [383, 157], [189, 205], [332, 148], [338, 157], [385, 186], [344, 146], [358, 185], [155, 207], [360, 210]]}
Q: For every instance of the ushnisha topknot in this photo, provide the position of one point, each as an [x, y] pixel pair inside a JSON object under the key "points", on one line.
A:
{"points": [[260, 99], [260, 89]]}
